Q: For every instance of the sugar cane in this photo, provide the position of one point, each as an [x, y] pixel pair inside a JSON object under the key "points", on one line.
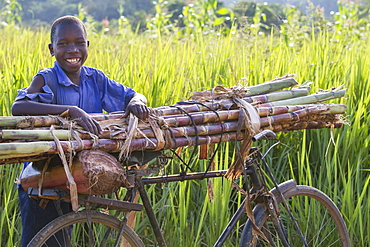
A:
{"points": [[178, 121], [263, 88], [202, 129], [304, 125], [24, 150], [210, 117], [140, 144], [38, 134], [170, 120], [28, 121], [277, 97], [37, 121], [228, 103], [310, 99], [27, 149]]}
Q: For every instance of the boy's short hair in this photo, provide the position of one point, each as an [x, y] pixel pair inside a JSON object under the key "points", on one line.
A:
{"points": [[68, 19]]}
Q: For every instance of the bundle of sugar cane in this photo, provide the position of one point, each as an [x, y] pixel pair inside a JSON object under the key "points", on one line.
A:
{"points": [[219, 115]]}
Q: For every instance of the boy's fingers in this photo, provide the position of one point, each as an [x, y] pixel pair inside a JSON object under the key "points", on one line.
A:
{"points": [[139, 110], [142, 112], [97, 127], [94, 127], [86, 122], [144, 115], [83, 124], [90, 125]]}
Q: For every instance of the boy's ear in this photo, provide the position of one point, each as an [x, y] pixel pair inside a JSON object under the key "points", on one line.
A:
{"points": [[51, 49]]}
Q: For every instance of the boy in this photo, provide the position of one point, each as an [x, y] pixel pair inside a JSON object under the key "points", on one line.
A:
{"points": [[70, 86]]}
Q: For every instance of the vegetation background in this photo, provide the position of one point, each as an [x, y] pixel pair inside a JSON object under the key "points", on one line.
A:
{"points": [[169, 54]]}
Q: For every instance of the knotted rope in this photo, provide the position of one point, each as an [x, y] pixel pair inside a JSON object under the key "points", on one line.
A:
{"points": [[71, 181], [250, 120]]}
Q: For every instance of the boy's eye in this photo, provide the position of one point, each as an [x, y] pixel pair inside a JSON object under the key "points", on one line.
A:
{"points": [[61, 43]]}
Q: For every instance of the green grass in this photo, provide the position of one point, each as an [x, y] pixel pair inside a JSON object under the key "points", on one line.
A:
{"points": [[168, 69]]}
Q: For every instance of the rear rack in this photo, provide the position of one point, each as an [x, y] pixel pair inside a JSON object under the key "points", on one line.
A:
{"points": [[94, 201]]}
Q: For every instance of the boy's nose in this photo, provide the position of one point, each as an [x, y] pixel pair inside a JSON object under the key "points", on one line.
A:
{"points": [[72, 48]]}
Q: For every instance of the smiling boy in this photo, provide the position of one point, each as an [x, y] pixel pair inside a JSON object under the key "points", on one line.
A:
{"points": [[80, 90]]}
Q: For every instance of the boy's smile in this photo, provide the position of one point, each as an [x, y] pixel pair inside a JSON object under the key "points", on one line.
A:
{"points": [[70, 47], [73, 60]]}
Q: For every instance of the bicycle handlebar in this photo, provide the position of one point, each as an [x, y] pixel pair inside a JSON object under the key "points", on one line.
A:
{"points": [[264, 135]]}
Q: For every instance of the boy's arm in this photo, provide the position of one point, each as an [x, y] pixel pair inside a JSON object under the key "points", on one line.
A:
{"points": [[28, 107], [137, 106]]}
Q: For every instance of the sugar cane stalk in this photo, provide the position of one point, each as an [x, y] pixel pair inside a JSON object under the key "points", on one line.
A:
{"points": [[24, 149], [241, 91], [310, 99], [181, 125], [228, 103], [28, 121], [27, 149], [12, 156], [304, 125]]}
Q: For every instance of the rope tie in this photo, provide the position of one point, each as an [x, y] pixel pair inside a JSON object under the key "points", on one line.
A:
{"points": [[41, 180], [250, 120], [168, 135], [158, 132], [162, 133], [71, 181], [132, 127], [78, 139]]}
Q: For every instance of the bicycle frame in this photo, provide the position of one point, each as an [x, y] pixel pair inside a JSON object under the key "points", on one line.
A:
{"points": [[257, 191], [250, 171]]}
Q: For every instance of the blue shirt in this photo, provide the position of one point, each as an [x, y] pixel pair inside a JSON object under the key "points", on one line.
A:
{"points": [[95, 93]]}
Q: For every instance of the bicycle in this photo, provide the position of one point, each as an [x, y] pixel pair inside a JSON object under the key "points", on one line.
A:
{"points": [[280, 217]]}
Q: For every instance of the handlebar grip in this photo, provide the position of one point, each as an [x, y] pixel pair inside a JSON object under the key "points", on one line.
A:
{"points": [[264, 135]]}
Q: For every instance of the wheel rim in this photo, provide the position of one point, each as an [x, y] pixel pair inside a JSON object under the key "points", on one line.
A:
{"points": [[319, 219], [75, 229], [317, 225]]}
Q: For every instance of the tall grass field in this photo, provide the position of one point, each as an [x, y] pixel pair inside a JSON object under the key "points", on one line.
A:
{"points": [[168, 68]]}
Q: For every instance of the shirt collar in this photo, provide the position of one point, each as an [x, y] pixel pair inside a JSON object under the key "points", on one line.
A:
{"points": [[63, 78]]}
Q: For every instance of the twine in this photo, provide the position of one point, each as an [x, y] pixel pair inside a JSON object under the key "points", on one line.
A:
{"points": [[249, 118], [158, 133], [132, 127], [71, 181], [41, 180]]}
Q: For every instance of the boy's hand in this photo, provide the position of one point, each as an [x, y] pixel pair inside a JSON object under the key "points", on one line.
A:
{"points": [[83, 119], [137, 106]]}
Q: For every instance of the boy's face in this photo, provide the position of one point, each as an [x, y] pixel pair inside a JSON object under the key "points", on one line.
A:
{"points": [[70, 47]]}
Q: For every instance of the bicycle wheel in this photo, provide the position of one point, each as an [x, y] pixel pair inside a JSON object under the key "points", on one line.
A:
{"points": [[73, 230], [317, 216]]}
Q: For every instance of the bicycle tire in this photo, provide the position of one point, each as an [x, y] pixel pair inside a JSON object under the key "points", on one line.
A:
{"points": [[75, 223], [332, 230]]}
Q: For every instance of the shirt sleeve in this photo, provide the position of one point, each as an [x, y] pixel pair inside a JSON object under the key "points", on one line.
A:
{"points": [[114, 96], [45, 97]]}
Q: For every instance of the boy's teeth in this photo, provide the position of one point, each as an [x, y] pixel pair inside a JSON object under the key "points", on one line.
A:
{"points": [[73, 60]]}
